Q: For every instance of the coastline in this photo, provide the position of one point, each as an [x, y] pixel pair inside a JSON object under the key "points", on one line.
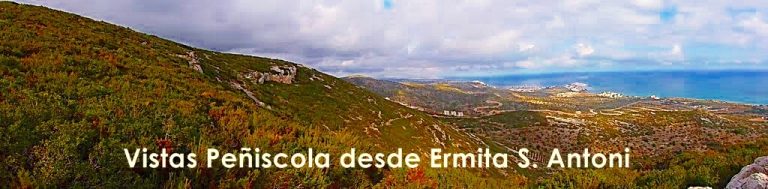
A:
{"points": [[730, 86]]}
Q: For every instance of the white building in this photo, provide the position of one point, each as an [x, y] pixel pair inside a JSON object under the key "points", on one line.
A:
{"points": [[610, 95], [526, 88], [577, 87], [453, 113]]}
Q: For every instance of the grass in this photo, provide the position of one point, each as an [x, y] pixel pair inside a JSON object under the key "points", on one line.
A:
{"points": [[74, 92]]}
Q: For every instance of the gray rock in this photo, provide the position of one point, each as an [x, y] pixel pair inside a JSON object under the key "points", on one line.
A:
{"points": [[751, 176], [192, 61], [280, 74]]}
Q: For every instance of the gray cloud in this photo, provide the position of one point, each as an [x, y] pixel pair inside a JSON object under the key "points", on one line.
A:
{"points": [[433, 38]]}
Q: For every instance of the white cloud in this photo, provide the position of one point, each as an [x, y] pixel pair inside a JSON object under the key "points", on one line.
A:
{"points": [[434, 38], [556, 22], [523, 47], [648, 4], [677, 50], [673, 54], [755, 24], [584, 49], [496, 43], [347, 62], [676, 54]]}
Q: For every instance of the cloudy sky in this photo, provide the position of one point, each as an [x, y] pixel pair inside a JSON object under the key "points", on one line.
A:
{"points": [[443, 38]]}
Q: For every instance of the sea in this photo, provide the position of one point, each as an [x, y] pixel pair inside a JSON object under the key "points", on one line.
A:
{"points": [[749, 87]]}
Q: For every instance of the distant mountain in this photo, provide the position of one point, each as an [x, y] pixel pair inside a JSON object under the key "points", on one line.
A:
{"points": [[74, 92], [434, 96], [675, 142], [381, 87]]}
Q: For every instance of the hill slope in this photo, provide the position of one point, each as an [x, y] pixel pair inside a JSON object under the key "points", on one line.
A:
{"points": [[436, 96], [74, 92], [674, 142]]}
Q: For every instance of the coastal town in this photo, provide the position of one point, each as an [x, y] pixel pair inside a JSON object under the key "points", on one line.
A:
{"points": [[572, 117]]}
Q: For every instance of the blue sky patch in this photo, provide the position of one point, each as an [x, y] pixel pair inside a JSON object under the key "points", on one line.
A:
{"points": [[431, 40], [668, 14], [388, 4]]}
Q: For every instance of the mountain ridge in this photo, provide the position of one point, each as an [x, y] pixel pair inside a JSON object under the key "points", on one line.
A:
{"points": [[76, 91], [675, 142]]}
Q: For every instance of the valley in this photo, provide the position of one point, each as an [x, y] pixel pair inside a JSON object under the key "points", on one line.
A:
{"points": [[655, 129], [75, 92]]}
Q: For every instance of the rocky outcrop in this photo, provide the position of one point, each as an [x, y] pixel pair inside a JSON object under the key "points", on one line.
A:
{"points": [[255, 77], [248, 93], [280, 74], [192, 61], [315, 77], [751, 176]]}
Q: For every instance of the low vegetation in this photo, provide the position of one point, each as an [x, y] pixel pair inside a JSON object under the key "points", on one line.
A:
{"points": [[74, 92]]}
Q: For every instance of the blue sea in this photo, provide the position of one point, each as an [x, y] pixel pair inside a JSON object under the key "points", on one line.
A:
{"points": [[749, 87]]}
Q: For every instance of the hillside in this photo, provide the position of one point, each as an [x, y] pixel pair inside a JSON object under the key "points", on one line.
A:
{"points": [[657, 131], [675, 142], [74, 92], [437, 96]]}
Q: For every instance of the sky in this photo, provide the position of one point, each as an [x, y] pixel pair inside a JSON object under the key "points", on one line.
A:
{"points": [[449, 38]]}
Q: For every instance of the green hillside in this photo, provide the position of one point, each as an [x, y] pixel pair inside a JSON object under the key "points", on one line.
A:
{"points": [[675, 143], [435, 96], [74, 92]]}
